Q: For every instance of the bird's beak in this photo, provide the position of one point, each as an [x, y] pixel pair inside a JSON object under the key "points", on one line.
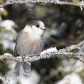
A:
{"points": [[44, 28]]}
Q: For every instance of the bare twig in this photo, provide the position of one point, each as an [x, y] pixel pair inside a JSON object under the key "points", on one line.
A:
{"points": [[72, 47], [41, 56], [41, 1]]}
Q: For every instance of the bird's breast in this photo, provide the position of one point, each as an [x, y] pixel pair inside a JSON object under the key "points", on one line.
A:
{"points": [[29, 45]]}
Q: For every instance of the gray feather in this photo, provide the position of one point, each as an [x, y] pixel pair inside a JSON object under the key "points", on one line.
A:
{"points": [[28, 47], [17, 69], [27, 68]]}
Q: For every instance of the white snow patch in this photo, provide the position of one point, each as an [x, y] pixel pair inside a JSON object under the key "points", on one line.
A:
{"points": [[28, 80], [8, 37], [1, 9], [8, 25], [7, 44], [49, 50], [32, 79], [71, 79], [8, 54], [78, 66]]}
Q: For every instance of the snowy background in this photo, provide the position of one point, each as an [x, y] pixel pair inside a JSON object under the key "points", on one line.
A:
{"points": [[65, 27]]}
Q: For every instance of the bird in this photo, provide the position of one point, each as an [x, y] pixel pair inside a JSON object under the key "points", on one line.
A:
{"points": [[29, 42]]}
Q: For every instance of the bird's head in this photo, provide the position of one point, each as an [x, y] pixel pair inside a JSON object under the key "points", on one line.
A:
{"points": [[35, 27]]}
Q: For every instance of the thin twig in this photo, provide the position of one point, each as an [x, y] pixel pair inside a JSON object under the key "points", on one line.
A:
{"points": [[41, 1], [42, 56]]}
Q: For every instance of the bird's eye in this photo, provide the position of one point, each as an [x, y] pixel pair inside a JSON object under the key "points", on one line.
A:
{"points": [[37, 25]]}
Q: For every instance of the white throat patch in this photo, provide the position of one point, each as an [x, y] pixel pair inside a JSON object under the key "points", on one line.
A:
{"points": [[34, 31]]}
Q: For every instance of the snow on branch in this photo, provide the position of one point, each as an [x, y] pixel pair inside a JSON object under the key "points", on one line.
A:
{"points": [[42, 1], [4, 80], [51, 52]]}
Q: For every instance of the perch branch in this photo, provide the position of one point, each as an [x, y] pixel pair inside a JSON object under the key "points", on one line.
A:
{"points": [[51, 52]]}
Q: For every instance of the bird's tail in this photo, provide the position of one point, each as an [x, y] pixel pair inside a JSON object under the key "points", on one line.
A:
{"points": [[25, 66], [16, 70]]}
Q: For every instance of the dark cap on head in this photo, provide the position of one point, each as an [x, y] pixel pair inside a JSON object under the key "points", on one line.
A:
{"points": [[34, 22]]}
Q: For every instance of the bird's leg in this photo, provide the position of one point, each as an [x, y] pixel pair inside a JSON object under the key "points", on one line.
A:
{"points": [[23, 57], [37, 55]]}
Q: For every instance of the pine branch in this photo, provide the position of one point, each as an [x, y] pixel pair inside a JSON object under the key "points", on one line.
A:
{"points": [[41, 1]]}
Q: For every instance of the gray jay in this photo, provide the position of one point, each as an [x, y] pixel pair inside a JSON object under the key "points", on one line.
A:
{"points": [[29, 42]]}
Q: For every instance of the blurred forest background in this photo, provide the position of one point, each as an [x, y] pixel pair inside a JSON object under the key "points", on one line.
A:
{"points": [[65, 27]]}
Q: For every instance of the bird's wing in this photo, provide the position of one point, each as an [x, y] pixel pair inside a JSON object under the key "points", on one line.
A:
{"points": [[15, 50]]}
